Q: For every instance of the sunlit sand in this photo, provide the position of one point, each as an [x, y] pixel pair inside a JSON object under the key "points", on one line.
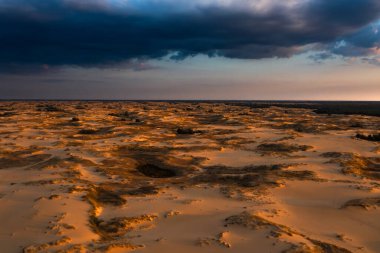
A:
{"points": [[186, 177]]}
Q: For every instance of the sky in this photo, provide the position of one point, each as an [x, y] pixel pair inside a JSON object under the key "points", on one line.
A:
{"points": [[181, 49]]}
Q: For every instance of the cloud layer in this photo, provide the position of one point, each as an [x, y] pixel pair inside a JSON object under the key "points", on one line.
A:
{"points": [[44, 34]]}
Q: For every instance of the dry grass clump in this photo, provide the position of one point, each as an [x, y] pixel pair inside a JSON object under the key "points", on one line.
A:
{"points": [[318, 247], [155, 162], [103, 130], [301, 127], [52, 162], [124, 114], [143, 191], [256, 222], [355, 164], [261, 176], [19, 159], [281, 148], [48, 108], [99, 195], [369, 137], [324, 247], [119, 226], [116, 244], [367, 203], [220, 239], [7, 114], [112, 231], [44, 247]]}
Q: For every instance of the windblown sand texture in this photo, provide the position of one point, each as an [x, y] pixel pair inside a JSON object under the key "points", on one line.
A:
{"points": [[186, 177]]}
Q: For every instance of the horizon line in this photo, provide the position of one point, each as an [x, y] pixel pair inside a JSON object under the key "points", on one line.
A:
{"points": [[185, 100]]}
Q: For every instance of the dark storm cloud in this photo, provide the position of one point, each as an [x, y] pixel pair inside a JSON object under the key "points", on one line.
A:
{"points": [[40, 35]]}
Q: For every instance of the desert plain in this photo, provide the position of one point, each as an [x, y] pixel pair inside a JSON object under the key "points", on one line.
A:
{"points": [[186, 177]]}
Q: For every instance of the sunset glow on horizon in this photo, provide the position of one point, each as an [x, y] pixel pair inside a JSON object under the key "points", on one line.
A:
{"points": [[203, 49]]}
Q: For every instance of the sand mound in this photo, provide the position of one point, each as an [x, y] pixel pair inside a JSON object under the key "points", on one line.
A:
{"points": [[100, 196], [260, 176], [356, 164], [368, 203], [255, 222], [119, 226], [281, 148]]}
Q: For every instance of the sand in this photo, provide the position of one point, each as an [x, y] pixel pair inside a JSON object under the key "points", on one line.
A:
{"points": [[186, 177]]}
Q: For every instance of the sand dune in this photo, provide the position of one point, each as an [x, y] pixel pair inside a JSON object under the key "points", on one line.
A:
{"points": [[186, 177]]}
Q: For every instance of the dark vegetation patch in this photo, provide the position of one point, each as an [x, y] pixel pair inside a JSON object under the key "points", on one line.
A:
{"points": [[53, 162], [356, 124], [89, 131], [366, 203], [16, 160], [233, 140], [115, 228], [256, 222], [46, 182], [355, 164], [7, 114], [80, 107], [318, 247], [57, 162], [276, 230], [49, 108], [369, 137], [120, 115], [143, 191], [211, 118], [74, 121], [187, 130], [102, 196], [7, 107], [160, 158], [124, 116], [301, 127], [154, 171], [325, 107], [119, 226], [260, 176], [47, 247], [324, 247], [281, 148], [107, 246]]}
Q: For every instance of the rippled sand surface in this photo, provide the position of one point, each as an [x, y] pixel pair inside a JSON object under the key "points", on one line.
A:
{"points": [[186, 177]]}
